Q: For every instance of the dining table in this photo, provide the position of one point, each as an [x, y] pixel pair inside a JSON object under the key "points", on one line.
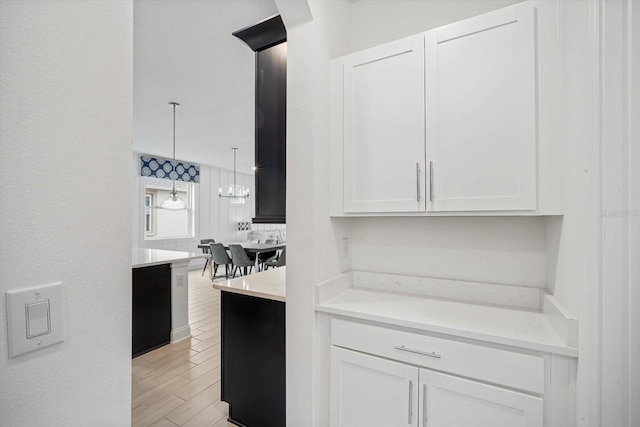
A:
{"points": [[253, 248]]}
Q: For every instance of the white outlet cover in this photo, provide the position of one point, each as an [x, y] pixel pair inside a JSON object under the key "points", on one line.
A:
{"points": [[17, 301]]}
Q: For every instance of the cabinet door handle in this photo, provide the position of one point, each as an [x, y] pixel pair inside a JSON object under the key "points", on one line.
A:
{"points": [[410, 415], [424, 406], [418, 181], [431, 181], [424, 353]]}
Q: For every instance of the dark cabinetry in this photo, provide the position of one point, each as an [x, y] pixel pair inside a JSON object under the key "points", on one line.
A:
{"points": [[151, 316], [268, 40], [271, 129], [253, 360]]}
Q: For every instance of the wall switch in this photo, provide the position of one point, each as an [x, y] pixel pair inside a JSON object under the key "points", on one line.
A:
{"points": [[38, 319], [34, 318], [180, 280]]}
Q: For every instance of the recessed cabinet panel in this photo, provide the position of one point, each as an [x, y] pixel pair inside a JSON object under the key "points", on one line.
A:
{"points": [[449, 401], [384, 152], [368, 391], [481, 112]]}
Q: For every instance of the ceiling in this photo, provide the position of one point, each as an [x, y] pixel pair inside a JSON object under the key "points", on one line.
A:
{"points": [[184, 52]]}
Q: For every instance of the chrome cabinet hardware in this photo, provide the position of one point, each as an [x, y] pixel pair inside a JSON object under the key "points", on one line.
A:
{"points": [[431, 181], [424, 406], [418, 181], [424, 353], [410, 415]]}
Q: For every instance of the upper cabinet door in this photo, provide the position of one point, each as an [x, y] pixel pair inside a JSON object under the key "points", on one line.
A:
{"points": [[481, 112], [384, 128]]}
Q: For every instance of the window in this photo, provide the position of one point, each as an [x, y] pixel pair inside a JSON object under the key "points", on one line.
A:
{"points": [[149, 217], [162, 223]]}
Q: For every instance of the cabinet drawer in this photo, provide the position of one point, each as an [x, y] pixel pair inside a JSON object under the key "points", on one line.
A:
{"points": [[522, 371]]}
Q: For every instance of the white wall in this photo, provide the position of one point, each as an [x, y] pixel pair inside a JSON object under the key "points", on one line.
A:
{"points": [[509, 251], [596, 247], [312, 254], [65, 140]]}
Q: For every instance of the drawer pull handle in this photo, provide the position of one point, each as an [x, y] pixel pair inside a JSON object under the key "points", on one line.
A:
{"points": [[424, 353], [410, 402], [424, 406], [431, 181], [418, 181]]}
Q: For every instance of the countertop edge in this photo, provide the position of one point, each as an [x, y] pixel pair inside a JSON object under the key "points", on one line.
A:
{"points": [[152, 263], [249, 293], [493, 339], [267, 284], [143, 257]]}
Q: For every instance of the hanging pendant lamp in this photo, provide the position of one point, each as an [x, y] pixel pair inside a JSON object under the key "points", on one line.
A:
{"points": [[235, 193], [173, 202]]}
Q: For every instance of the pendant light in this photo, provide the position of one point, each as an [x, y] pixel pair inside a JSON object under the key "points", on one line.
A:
{"points": [[173, 202], [237, 196]]}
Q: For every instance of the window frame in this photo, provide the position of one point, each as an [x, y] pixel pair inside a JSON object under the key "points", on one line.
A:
{"points": [[190, 201]]}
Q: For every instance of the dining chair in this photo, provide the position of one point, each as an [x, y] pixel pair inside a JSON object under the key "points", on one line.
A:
{"points": [[207, 251], [277, 261], [267, 255], [240, 259], [219, 256]]}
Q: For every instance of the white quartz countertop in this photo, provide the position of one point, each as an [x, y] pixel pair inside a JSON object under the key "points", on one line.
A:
{"points": [[269, 284], [141, 257], [507, 326]]}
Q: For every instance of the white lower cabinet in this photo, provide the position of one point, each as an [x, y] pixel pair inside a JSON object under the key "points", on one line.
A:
{"points": [[449, 401], [386, 377], [369, 391]]}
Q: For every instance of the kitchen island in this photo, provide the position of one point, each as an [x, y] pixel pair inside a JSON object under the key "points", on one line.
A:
{"points": [[160, 298], [253, 348]]}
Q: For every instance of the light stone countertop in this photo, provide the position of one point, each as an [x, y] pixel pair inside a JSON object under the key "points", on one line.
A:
{"points": [[269, 284], [499, 325], [142, 257]]}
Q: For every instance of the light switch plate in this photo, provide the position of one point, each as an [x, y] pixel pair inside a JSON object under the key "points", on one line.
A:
{"points": [[31, 304]]}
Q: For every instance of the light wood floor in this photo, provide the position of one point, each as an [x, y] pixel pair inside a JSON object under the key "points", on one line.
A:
{"points": [[179, 384]]}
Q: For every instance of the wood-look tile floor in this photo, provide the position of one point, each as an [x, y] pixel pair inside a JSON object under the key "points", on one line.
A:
{"points": [[179, 384]]}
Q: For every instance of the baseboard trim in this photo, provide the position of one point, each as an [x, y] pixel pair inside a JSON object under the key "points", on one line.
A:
{"points": [[180, 334]]}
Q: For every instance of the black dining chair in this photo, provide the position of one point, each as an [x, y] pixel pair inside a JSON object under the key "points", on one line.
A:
{"points": [[240, 259], [268, 255], [207, 251], [219, 256], [277, 261]]}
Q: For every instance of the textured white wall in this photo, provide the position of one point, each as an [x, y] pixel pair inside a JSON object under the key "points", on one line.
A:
{"points": [[65, 140]]}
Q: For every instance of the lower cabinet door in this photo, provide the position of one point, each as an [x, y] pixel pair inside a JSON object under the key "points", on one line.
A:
{"points": [[368, 391], [448, 401]]}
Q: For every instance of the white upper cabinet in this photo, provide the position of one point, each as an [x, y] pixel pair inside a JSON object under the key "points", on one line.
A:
{"points": [[384, 128], [481, 112], [460, 120]]}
